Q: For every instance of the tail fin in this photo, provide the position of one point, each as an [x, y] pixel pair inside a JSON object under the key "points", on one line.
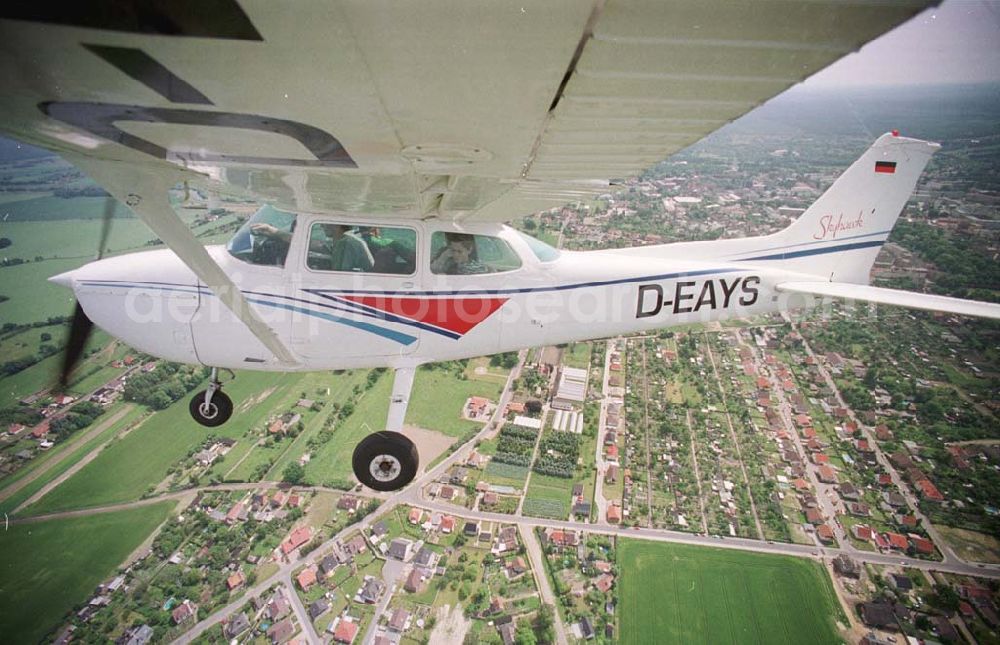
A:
{"points": [[838, 237]]}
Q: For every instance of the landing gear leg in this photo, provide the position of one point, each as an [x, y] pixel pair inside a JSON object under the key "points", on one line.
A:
{"points": [[211, 407], [388, 460]]}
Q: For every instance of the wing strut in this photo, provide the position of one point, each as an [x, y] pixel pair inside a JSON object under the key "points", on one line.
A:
{"points": [[147, 195]]}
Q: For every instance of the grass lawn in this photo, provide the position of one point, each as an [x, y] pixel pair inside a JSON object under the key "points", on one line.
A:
{"points": [[60, 562], [438, 397], [577, 355], [970, 545], [139, 461], [340, 391], [673, 593], [333, 459]]}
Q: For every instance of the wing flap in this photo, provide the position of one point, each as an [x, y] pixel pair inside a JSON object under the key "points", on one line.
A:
{"points": [[881, 295]]}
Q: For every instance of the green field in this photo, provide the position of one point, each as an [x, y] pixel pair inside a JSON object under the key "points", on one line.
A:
{"points": [[74, 453], [139, 461], [51, 566], [73, 238], [577, 355], [505, 474], [548, 497], [673, 593], [32, 296], [438, 398]]}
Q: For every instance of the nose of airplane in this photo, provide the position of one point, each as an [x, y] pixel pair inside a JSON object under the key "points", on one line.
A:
{"points": [[64, 279]]}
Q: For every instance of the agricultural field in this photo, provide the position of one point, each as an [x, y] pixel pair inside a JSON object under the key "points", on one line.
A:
{"points": [[64, 560], [548, 497], [128, 468], [74, 452], [672, 593], [505, 474]]}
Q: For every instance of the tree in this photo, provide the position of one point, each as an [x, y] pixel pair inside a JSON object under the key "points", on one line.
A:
{"points": [[294, 473], [544, 620], [525, 636]]}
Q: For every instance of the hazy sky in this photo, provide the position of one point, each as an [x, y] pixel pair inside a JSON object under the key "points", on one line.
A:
{"points": [[957, 42]]}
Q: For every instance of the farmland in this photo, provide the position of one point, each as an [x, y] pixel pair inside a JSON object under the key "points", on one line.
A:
{"points": [[69, 557], [139, 461], [548, 496], [684, 594]]}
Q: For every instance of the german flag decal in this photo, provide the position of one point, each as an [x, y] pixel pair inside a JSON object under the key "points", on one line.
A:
{"points": [[888, 167]]}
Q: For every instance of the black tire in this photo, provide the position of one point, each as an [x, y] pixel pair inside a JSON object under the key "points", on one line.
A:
{"points": [[218, 411], [399, 461]]}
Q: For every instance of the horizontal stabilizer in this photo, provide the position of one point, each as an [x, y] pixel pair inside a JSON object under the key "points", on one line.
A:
{"points": [[895, 297]]}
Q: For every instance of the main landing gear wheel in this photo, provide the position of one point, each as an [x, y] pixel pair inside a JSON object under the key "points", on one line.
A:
{"points": [[213, 412], [385, 461]]}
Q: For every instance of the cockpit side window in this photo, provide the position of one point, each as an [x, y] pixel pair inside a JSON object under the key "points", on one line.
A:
{"points": [[335, 246], [468, 254], [264, 239]]}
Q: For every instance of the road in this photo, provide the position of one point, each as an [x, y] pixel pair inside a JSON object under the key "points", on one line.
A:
{"points": [[392, 572], [600, 502], [409, 495], [72, 442], [822, 490], [300, 611], [534, 550], [897, 480], [413, 496]]}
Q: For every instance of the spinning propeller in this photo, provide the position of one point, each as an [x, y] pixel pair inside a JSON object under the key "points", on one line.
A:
{"points": [[81, 326]]}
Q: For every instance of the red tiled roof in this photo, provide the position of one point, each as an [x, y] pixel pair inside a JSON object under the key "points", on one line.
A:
{"points": [[897, 541], [306, 579], [922, 545], [929, 490], [345, 632], [298, 537]]}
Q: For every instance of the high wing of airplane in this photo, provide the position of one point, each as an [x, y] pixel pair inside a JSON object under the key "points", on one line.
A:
{"points": [[390, 141]]}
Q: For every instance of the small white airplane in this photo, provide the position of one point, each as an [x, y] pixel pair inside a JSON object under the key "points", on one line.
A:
{"points": [[384, 246]]}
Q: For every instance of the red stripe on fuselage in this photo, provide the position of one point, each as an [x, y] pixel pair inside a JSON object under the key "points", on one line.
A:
{"points": [[454, 314]]}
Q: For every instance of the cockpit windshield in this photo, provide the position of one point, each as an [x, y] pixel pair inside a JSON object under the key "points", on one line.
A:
{"points": [[542, 251], [264, 238]]}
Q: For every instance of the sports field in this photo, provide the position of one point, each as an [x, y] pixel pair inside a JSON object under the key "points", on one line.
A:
{"points": [[674, 593], [51, 566]]}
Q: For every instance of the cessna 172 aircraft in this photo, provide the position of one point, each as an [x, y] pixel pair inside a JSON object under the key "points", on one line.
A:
{"points": [[390, 143]]}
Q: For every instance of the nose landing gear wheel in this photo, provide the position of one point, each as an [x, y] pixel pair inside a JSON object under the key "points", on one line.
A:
{"points": [[215, 412], [385, 461]]}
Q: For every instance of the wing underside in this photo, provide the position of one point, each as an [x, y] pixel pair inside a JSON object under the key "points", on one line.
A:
{"points": [[479, 111]]}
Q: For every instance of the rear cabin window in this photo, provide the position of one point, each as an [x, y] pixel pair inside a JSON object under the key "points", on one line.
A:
{"points": [[335, 246], [468, 254]]}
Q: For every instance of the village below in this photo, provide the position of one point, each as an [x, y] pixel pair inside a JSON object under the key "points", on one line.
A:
{"points": [[824, 476]]}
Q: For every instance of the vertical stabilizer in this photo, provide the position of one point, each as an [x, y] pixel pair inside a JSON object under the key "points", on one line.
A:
{"points": [[838, 237]]}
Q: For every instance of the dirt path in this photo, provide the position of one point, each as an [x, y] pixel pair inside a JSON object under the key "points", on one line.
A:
{"points": [[537, 558], [52, 463], [854, 630], [735, 439], [451, 626], [430, 443], [645, 434], [697, 474], [72, 470]]}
